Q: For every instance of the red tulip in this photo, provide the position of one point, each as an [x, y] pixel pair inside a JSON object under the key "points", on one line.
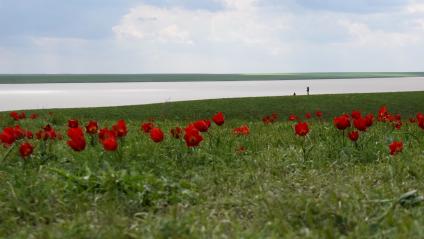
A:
{"points": [[318, 114], [22, 115], [353, 135], [109, 139], [267, 119], [356, 114], [110, 144], [106, 133], [274, 117], [208, 123], [192, 136], [383, 114], [7, 137], [72, 123], [25, 150], [308, 115], [301, 129], [201, 125], [156, 135], [77, 144], [218, 118], [29, 134], [92, 127], [293, 117], [420, 119], [47, 133], [420, 116], [341, 122], [146, 127], [360, 124], [176, 132], [33, 116], [242, 130], [120, 128], [412, 120], [18, 132], [14, 115], [77, 140], [396, 147], [397, 124], [369, 119], [421, 124]]}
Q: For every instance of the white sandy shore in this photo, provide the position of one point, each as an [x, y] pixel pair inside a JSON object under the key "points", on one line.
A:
{"points": [[68, 95]]}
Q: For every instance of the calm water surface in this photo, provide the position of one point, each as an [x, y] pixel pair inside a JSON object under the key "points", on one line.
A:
{"points": [[70, 95]]}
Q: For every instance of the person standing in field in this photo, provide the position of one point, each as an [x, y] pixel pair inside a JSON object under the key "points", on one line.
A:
{"points": [[307, 90]]}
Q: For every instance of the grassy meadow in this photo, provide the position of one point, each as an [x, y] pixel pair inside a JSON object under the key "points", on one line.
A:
{"points": [[279, 186], [105, 78]]}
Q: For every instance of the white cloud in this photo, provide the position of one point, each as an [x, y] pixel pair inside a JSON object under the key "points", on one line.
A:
{"points": [[364, 36], [243, 36], [241, 23], [415, 7]]}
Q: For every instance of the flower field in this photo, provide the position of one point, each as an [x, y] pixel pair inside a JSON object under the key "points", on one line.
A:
{"points": [[329, 166]]}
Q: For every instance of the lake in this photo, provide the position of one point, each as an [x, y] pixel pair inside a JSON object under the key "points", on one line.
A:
{"points": [[70, 95]]}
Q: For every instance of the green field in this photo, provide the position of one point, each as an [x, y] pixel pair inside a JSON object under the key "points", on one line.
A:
{"points": [[282, 186], [97, 78]]}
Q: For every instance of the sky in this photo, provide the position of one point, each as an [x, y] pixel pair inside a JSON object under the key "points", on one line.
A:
{"points": [[210, 36]]}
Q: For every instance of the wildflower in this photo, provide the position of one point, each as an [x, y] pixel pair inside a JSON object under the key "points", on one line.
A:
{"points": [[396, 147], [176, 132], [92, 127], [77, 140], [14, 115], [146, 127], [120, 128], [301, 129], [369, 119], [201, 125], [33, 116], [353, 136], [72, 123], [192, 136], [242, 130], [383, 114], [218, 118], [360, 124], [293, 117], [341, 122], [7, 136], [308, 115], [156, 135], [25, 150], [110, 144], [47, 133], [356, 114]]}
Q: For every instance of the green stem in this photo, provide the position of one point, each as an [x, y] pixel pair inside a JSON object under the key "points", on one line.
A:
{"points": [[8, 152]]}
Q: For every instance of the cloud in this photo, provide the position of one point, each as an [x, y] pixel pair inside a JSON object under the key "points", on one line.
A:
{"points": [[352, 6], [241, 22], [415, 8], [226, 36], [362, 35]]}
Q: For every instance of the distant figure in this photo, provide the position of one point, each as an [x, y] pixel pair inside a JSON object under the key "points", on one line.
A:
{"points": [[294, 93], [307, 90]]}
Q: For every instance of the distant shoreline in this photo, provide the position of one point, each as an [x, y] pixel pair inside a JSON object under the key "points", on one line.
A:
{"points": [[105, 78]]}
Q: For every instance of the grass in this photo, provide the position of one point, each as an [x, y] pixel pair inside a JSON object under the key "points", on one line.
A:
{"points": [[97, 78], [273, 190]]}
